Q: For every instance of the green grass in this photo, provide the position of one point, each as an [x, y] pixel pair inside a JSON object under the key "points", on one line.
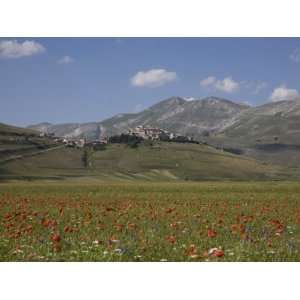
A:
{"points": [[140, 221], [13, 130], [16, 142], [163, 161]]}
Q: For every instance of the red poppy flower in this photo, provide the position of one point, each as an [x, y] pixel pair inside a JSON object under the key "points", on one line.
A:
{"points": [[174, 225], [113, 239], [234, 228], [170, 210], [119, 227], [216, 252], [132, 226], [68, 229], [7, 216], [211, 233], [171, 239], [279, 229], [55, 237], [242, 228], [192, 251]]}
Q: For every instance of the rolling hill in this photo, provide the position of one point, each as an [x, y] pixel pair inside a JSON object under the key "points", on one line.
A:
{"points": [[18, 142], [162, 161], [8, 130], [270, 132], [279, 121], [229, 121], [174, 114]]}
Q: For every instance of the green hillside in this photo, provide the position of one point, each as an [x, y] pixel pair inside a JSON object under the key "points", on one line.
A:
{"points": [[16, 131], [18, 142], [268, 133], [162, 161]]}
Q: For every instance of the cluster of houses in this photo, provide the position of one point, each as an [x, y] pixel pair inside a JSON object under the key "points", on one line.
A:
{"points": [[154, 133], [82, 142], [150, 133], [144, 132], [75, 142]]}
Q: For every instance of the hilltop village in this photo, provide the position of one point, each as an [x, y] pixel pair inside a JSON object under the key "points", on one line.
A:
{"points": [[136, 134]]}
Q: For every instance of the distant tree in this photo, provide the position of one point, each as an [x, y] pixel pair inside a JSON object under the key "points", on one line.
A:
{"points": [[130, 140], [164, 137], [86, 157], [181, 139]]}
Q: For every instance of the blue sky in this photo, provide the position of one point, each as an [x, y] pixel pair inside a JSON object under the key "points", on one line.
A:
{"points": [[62, 80]]}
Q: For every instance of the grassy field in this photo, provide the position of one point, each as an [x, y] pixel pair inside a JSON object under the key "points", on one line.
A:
{"points": [[131, 221], [18, 142], [162, 161]]}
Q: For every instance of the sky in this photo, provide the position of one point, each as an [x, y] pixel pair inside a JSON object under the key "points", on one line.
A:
{"points": [[63, 80]]}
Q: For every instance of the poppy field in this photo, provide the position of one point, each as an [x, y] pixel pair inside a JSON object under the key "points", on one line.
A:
{"points": [[185, 221]]}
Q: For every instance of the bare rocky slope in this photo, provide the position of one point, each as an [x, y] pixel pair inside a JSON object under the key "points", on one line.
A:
{"points": [[270, 132], [174, 114]]}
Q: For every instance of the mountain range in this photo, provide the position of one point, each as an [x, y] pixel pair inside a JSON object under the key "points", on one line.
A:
{"points": [[270, 131], [174, 114], [215, 117]]}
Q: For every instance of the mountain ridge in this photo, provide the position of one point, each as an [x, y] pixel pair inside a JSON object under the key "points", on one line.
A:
{"points": [[170, 114], [269, 132]]}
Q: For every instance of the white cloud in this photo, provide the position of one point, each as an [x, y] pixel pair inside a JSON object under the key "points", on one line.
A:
{"points": [[153, 78], [65, 60], [15, 49], [283, 93], [208, 81], [295, 55], [227, 85]]}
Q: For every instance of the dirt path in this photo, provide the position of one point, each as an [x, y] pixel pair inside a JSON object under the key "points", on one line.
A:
{"points": [[30, 154]]}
